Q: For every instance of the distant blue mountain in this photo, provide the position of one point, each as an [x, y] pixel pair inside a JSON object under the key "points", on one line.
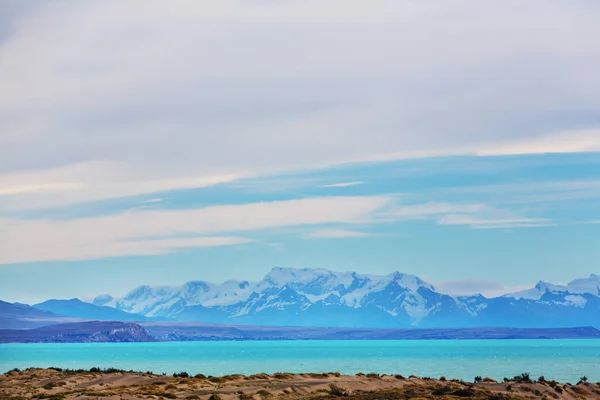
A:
{"points": [[319, 297], [79, 309], [22, 316]]}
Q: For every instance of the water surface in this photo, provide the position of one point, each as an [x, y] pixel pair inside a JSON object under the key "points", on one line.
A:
{"points": [[563, 360]]}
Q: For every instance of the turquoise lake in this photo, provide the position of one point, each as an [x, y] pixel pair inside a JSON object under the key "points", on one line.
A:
{"points": [[563, 360]]}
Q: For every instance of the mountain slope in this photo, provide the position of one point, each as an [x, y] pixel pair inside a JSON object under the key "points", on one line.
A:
{"points": [[79, 309], [22, 316]]}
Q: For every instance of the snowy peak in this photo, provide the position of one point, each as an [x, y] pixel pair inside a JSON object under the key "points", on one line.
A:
{"points": [[411, 282], [590, 285], [320, 297], [585, 285], [102, 300]]}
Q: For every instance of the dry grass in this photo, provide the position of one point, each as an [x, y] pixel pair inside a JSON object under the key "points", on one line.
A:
{"points": [[51, 384]]}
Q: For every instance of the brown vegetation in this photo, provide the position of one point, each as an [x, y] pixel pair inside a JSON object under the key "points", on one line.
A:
{"points": [[96, 384]]}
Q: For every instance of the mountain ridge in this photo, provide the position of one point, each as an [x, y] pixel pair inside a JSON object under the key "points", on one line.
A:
{"points": [[320, 297]]}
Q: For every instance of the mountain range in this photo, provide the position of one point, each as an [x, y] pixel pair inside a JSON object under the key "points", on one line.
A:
{"points": [[323, 298], [319, 297]]}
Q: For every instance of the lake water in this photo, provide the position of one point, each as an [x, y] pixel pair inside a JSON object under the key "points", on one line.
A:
{"points": [[563, 360]]}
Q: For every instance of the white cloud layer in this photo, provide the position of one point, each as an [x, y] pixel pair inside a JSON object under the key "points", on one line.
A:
{"points": [[344, 184], [150, 232], [336, 234], [110, 99]]}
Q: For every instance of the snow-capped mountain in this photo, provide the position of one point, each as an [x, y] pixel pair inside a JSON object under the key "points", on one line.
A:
{"points": [[319, 297], [589, 285]]}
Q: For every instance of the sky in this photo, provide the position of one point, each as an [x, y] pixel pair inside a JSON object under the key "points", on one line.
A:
{"points": [[152, 142]]}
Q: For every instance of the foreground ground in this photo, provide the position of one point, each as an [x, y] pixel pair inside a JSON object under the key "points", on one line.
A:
{"points": [[109, 385]]}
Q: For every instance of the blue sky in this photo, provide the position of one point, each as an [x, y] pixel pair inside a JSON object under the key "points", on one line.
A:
{"points": [[456, 141]]}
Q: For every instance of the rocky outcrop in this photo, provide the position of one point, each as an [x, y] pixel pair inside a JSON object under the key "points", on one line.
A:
{"points": [[81, 332]]}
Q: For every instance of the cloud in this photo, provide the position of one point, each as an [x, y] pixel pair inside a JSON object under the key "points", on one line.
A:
{"points": [[93, 181], [148, 231], [427, 210], [532, 192], [477, 216], [493, 223], [336, 234], [486, 287], [265, 87], [344, 184]]}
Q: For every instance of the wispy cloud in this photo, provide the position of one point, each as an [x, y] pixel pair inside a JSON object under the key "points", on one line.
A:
{"points": [[344, 184], [93, 181], [336, 234], [477, 216], [493, 223], [432, 209], [144, 232]]}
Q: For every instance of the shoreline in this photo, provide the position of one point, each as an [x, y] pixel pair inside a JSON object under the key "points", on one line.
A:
{"points": [[113, 384]]}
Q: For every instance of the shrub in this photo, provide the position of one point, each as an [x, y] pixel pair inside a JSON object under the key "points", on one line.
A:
{"points": [[181, 374], [464, 392], [49, 386], [57, 396], [398, 376], [542, 379], [259, 376], [558, 389], [336, 390], [523, 378], [478, 379], [509, 388], [284, 375], [200, 376], [442, 379], [263, 393], [214, 396], [442, 390], [578, 390], [373, 375]]}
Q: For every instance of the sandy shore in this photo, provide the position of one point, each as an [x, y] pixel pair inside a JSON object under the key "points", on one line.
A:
{"points": [[62, 385]]}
